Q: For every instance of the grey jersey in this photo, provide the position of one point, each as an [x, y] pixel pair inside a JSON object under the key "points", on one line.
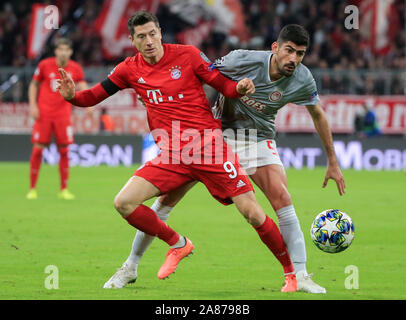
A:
{"points": [[258, 111]]}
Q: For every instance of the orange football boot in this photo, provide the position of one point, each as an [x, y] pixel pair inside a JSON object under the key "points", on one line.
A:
{"points": [[173, 258], [290, 283]]}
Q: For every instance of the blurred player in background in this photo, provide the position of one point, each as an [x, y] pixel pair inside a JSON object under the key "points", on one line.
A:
{"points": [[52, 114], [106, 122], [280, 78], [370, 127], [169, 77]]}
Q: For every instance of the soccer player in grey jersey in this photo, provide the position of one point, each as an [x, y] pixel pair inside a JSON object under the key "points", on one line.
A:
{"points": [[279, 78]]}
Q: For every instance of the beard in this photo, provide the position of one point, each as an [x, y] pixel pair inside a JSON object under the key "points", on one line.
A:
{"points": [[287, 69]]}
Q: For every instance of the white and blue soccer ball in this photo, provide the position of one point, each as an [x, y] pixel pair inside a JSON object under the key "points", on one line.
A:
{"points": [[332, 231]]}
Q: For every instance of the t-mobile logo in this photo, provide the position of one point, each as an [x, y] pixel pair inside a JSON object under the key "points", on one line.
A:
{"points": [[155, 96]]}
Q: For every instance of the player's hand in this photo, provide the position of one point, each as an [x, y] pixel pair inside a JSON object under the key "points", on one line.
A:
{"points": [[245, 86], [334, 172], [65, 85], [34, 112]]}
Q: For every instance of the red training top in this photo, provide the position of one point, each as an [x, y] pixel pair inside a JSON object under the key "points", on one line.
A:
{"points": [[50, 102]]}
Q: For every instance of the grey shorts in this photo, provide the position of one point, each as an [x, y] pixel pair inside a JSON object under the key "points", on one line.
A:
{"points": [[253, 155]]}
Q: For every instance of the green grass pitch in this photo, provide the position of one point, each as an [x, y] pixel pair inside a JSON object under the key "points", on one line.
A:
{"points": [[87, 240]]}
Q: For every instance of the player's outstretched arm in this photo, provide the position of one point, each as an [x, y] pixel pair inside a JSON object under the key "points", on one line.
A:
{"points": [[323, 128], [230, 88], [245, 87], [83, 98], [207, 72]]}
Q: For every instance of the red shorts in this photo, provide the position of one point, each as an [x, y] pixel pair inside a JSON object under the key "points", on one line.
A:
{"points": [[223, 180], [44, 128]]}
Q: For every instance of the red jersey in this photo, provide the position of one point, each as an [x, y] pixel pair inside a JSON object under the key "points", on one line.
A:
{"points": [[172, 90], [50, 102]]}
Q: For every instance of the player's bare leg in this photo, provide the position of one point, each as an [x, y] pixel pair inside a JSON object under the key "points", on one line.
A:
{"points": [[64, 193], [272, 180], [128, 203], [136, 191], [35, 165], [269, 234], [171, 199]]}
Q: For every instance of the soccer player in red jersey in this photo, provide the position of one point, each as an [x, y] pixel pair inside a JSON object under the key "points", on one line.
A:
{"points": [[169, 79], [52, 113]]}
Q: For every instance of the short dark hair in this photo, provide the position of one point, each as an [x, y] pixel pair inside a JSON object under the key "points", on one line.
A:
{"points": [[294, 33], [63, 41], [139, 18]]}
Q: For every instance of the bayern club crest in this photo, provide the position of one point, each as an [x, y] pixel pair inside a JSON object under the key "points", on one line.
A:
{"points": [[175, 72], [275, 96]]}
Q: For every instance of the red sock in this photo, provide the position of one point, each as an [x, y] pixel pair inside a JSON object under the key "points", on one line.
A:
{"points": [[271, 236], [64, 166], [146, 220], [35, 164]]}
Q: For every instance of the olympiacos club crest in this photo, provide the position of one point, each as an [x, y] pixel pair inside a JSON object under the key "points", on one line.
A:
{"points": [[275, 96]]}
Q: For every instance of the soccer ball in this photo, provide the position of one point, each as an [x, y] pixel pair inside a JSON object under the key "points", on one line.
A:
{"points": [[332, 231]]}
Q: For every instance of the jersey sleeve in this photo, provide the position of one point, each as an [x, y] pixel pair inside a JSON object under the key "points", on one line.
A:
{"points": [[238, 64], [227, 64], [308, 95], [119, 75], [39, 72], [202, 66]]}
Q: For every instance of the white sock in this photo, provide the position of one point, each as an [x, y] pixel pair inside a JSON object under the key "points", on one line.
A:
{"points": [[142, 240], [293, 237], [181, 242]]}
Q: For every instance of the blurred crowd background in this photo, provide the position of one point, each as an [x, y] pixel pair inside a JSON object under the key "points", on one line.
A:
{"points": [[337, 57]]}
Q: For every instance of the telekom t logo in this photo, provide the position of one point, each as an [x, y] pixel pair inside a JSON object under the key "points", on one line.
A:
{"points": [[155, 96]]}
